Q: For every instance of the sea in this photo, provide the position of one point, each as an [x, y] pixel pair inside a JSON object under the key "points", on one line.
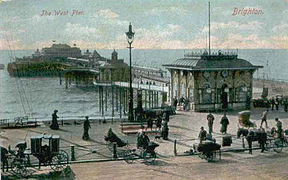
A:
{"points": [[39, 97]]}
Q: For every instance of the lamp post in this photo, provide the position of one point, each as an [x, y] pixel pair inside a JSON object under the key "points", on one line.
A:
{"points": [[130, 38]]}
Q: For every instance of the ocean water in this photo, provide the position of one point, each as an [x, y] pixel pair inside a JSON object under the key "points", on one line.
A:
{"points": [[40, 96]]}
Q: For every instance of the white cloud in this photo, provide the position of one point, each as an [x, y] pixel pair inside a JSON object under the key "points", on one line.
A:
{"points": [[107, 13], [9, 44], [171, 10], [38, 18], [236, 26], [81, 32], [281, 29]]}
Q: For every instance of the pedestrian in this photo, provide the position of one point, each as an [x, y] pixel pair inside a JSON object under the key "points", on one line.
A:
{"points": [[272, 101], [210, 119], [224, 124], [142, 140], [186, 104], [175, 102], [181, 101], [285, 104], [277, 103], [264, 118], [248, 102], [54, 124], [202, 135], [86, 127], [149, 123], [159, 122], [279, 127], [165, 130], [167, 115]]}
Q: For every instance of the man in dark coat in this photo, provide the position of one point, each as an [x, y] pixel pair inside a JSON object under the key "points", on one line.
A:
{"points": [[277, 102], [149, 123], [202, 135], [159, 122], [165, 130], [54, 124], [175, 102], [210, 119], [224, 123], [86, 127], [279, 127], [142, 140], [272, 102]]}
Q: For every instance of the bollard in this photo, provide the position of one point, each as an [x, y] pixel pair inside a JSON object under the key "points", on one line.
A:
{"points": [[62, 122], [175, 150], [114, 150], [73, 153]]}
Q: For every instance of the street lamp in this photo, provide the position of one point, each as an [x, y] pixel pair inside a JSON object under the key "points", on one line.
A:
{"points": [[130, 38]]}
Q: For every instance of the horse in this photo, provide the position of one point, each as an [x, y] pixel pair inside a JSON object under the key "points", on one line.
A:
{"points": [[253, 135]]}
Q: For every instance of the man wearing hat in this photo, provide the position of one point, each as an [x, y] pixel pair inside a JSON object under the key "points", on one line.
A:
{"points": [[202, 135], [54, 124], [86, 127]]}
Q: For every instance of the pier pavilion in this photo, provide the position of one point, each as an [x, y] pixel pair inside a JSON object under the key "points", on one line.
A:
{"points": [[212, 82]]}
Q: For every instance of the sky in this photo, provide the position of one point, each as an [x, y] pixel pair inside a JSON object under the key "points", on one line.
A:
{"points": [[158, 24]]}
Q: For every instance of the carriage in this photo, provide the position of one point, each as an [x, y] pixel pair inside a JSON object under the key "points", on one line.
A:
{"points": [[45, 148], [208, 150], [266, 139], [121, 149]]}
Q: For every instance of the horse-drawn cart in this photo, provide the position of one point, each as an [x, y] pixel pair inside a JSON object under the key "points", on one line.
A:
{"points": [[208, 150], [44, 147], [121, 149]]}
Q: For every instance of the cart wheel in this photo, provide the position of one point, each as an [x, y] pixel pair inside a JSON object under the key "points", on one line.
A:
{"points": [[277, 145], [59, 161], [19, 167]]}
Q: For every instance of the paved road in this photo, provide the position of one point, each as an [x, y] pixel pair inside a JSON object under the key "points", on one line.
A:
{"points": [[233, 166]]}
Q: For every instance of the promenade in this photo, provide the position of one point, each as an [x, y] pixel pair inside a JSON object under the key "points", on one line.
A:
{"points": [[184, 127]]}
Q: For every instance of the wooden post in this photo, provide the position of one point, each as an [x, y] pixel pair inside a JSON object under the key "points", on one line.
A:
{"points": [[73, 158], [175, 147]]}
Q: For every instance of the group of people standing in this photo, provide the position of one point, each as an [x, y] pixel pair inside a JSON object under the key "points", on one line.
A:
{"points": [[181, 102], [203, 135], [161, 124], [224, 123], [86, 125]]}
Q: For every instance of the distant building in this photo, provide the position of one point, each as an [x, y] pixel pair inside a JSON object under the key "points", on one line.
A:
{"points": [[61, 51], [114, 69], [212, 81], [36, 54], [87, 54]]}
